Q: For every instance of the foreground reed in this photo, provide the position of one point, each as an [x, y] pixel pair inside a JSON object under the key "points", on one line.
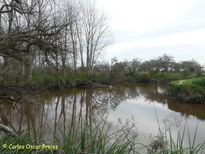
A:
{"points": [[104, 138]]}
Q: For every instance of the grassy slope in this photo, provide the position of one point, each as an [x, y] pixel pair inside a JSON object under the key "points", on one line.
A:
{"points": [[192, 89]]}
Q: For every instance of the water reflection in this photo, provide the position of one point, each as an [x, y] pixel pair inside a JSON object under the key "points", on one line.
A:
{"points": [[64, 110]]}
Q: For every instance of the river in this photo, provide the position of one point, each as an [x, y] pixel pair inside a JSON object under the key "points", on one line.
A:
{"points": [[143, 105]]}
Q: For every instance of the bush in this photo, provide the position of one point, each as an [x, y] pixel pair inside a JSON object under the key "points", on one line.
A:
{"points": [[166, 77], [100, 77], [143, 76], [186, 73], [131, 76], [190, 90], [200, 82], [174, 88], [37, 78]]}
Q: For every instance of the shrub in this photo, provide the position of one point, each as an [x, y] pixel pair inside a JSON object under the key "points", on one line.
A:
{"points": [[190, 90], [37, 79], [101, 77], [143, 76], [167, 76], [200, 82], [131, 75]]}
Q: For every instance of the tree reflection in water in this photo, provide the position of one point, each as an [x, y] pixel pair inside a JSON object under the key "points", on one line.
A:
{"points": [[67, 110]]}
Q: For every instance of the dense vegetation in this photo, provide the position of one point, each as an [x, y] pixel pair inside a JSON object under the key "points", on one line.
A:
{"points": [[101, 139], [162, 69], [43, 42], [190, 90]]}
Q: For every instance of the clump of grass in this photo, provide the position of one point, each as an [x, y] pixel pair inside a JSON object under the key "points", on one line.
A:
{"points": [[89, 138], [165, 144], [166, 77], [200, 82], [103, 138], [98, 138]]}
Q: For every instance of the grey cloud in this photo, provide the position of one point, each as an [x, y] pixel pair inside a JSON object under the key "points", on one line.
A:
{"points": [[179, 52], [193, 19]]}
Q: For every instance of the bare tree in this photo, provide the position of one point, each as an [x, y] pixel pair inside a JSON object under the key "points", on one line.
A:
{"points": [[96, 31], [50, 36]]}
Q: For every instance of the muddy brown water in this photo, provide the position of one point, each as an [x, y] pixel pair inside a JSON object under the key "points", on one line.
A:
{"points": [[145, 105]]}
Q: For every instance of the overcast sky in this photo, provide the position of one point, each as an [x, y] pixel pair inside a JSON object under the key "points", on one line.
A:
{"points": [[146, 29]]}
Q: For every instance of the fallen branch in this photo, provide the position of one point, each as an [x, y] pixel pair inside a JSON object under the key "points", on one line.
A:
{"points": [[8, 130]]}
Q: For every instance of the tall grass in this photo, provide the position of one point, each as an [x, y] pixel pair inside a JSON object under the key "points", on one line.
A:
{"points": [[106, 139], [165, 144], [98, 139]]}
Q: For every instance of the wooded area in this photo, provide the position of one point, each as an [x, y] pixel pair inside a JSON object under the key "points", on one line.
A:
{"points": [[44, 33], [49, 37]]}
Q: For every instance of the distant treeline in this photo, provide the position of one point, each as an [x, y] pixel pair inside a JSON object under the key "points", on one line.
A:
{"points": [[161, 69], [164, 63]]}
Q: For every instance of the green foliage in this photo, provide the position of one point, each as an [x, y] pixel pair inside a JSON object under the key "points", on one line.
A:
{"points": [[37, 78], [9, 80], [200, 82], [143, 76], [166, 77], [189, 90], [174, 88], [49, 78], [131, 76], [40, 80], [164, 143], [80, 78], [101, 139], [100, 77], [95, 140], [193, 76], [160, 75], [187, 73]]}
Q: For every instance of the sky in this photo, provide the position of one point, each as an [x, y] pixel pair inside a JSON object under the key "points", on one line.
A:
{"points": [[147, 29]]}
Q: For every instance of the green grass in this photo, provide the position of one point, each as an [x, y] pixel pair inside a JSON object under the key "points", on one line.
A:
{"points": [[90, 139], [165, 144], [95, 142], [197, 83], [167, 77], [192, 89], [101, 139]]}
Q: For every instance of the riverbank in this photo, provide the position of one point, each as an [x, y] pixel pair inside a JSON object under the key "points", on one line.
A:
{"points": [[95, 79], [46, 76], [189, 90], [13, 88]]}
